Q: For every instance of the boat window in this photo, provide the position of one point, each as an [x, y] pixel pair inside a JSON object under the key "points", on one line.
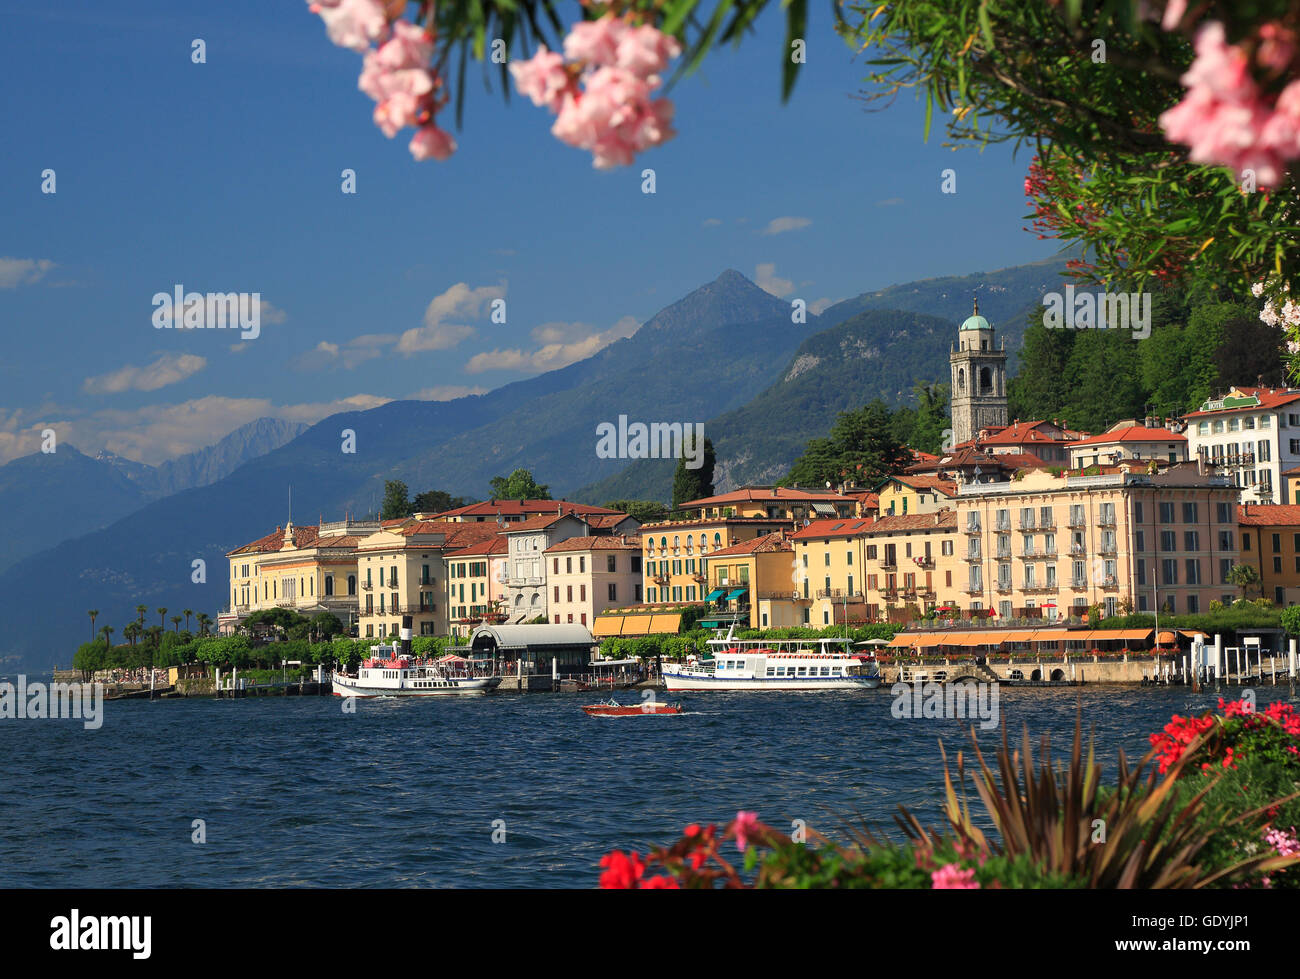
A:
{"points": [[826, 671], [771, 671], [803, 671]]}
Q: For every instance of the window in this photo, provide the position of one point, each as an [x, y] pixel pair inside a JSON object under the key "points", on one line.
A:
{"points": [[1168, 540], [1191, 540], [611, 563], [1193, 571], [1190, 513], [1166, 513], [1169, 571]]}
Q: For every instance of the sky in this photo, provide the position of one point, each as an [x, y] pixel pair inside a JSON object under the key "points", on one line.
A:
{"points": [[226, 176]]}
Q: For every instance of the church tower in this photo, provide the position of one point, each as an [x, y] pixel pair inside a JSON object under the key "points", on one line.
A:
{"points": [[979, 379]]}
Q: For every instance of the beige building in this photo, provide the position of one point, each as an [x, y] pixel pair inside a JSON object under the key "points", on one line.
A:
{"points": [[1130, 440], [675, 551], [916, 493], [589, 574], [786, 503], [401, 573], [308, 569], [526, 591], [476, 584]]}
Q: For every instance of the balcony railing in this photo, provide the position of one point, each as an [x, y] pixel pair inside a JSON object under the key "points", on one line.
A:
{"points": [[1078, 520], [1078, 583], [973, 529], [974, 556], [1003, 523], [924, 562], [1078, 548], [889, 564]]}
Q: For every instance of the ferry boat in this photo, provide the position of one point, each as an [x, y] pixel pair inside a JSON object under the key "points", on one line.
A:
{"points": [[764, 664], [389, 673]]}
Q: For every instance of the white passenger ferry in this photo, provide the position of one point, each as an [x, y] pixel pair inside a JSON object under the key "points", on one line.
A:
{"points": [[388, 673], [765, 664]]}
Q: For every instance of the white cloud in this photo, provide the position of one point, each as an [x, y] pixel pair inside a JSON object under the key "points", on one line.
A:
{"points": [[765, 278], [461, 302], [15, 272], [562, 344], [154, 433], [890, 202], [325, 355], [271, 314], [167, 369], [711, 222], [781, 225]]}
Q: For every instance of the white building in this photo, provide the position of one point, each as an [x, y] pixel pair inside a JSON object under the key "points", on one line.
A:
{"points": [[1253, 434]]}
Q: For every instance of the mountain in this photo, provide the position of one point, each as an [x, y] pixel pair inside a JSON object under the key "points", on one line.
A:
{"points": [[49, 498], [888, 340], [711, 353]]}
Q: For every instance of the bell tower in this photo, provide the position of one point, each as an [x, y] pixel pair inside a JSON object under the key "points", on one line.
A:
{"points": [[979, 379]]}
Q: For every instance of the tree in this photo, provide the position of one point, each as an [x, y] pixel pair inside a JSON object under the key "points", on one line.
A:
{"points": [[519, 485], [862, 446], [325, 625], [931, 422], [187, 612], [643, 511], [1291, 620], [205, 623], [1039, 390], [694, 484], [1244, 576], [140, 610], [162, 616], [176, 623], [93, 613], [436, 501], [395, 505]]}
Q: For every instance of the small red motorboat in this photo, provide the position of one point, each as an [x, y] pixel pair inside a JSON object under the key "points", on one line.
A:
{"points": [[612, 708]]}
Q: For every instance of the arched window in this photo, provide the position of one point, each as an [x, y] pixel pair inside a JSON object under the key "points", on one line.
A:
{"points": [[717, 540], [329, 585], [352, 584], [961, 379], [663, 543], [986, 380]]}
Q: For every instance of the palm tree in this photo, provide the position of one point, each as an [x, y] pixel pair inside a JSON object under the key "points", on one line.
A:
{"points": [[205, 622], [130, 631], [92, 613], [162, 613], [1244, 576], [140, 610], [187, 612], [176, 623], [107, 632]]}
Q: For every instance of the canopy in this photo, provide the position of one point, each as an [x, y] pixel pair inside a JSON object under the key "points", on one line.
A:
{"points": [[613, 662], [872, 642], [452, 658], [666, 622], [637, 625], [1165, 638], [736, 593], [607, 625], [713, 595]]}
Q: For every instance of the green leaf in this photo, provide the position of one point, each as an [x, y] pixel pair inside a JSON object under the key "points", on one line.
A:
{"points": [[796, 26]]}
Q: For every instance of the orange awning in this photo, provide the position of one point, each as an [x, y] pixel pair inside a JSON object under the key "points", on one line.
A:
{"points": [[903, 639], [637, 625], [666, 623], [607, 625]]}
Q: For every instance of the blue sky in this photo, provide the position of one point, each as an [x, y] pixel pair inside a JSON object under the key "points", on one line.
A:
{"points": [[225, 176]]}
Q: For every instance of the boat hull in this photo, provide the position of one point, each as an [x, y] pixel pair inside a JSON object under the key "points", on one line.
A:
{"points": [[599, 710], [687, 681], [346, 687]]}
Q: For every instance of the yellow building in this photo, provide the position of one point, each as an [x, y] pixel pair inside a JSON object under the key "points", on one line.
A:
{"points": [[1270, 543], [789, 504], [918, 493], [910, 564], [675, 550], [828, 580], [308, 569], [752, 580]]}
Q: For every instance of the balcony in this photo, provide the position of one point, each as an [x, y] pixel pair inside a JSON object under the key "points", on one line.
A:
{"points": [[1004, 586], [1078, 584], [1110, 581], [1029, 554], [973, 590], [889, 564], [1078, 520], [1028, 525], [973, 529], [1078, 549], [924, 562], [1109, 548], [1106, 520], [1004, 523], [1039, 588], [1004, 554], [973, 556], [366, 586], [926, 593], [1046, 523]]}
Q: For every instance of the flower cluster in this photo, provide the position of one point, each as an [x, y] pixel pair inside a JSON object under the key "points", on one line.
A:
{"points": [[1226, 117], [953, 878], [1286, 843], [1177, 735], [396, 74], [1240, 732], [1281, 311], [602, 94], [626, 871]]}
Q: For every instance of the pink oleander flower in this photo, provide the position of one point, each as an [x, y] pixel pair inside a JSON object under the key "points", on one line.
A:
{"points": [[352, 23], [614, 118], [430, 141], [952, 878], [645, 51], [542, 78], [1226, 120], [746, 822], [1286, 844], [595, 41], [411, 46]]}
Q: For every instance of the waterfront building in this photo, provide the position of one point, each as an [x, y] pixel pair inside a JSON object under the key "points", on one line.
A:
{"points": [[979, 379], [788, 503], [525, 582], [909, 566], [309, 569], [753, 580], [476, 584], [589, 574], [401, 573], [1044, 545], [1162, 441], [674, 552], [1270, 542], [1252, 433], [829, 581]]}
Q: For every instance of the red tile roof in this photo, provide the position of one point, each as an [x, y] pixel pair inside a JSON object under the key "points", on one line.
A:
{"points": [[496, 544], [1133, 433], [928, 482], [606, 542], [304, 536], [1268, 514], [940, 520], [1269, 398], [762, 494], [837, 527], [766, 544], [519, 508]]}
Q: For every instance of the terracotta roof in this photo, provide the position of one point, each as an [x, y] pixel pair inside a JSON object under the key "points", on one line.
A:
{"points": [[766, 544], [537, 523], [1025, 432], [928, 482], [304, 536], [666, 525], [1133, 433], [1267, 514], [762, 494], [967, 455], [1293, 471], [941, 520], [920, 456], [838, 527], [496, 544], [1268, 398], [603, 521], [606, 542], [519, 508]]}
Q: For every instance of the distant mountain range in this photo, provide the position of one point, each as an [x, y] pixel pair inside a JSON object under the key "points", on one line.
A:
{"points": [[728, 354], [46, 499]]}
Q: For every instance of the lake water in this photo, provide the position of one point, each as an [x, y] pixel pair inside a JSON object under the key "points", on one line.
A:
{"points": [[294, 791]]}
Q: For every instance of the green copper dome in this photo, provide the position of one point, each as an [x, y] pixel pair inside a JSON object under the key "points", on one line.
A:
{"points": [[975, 321]]}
